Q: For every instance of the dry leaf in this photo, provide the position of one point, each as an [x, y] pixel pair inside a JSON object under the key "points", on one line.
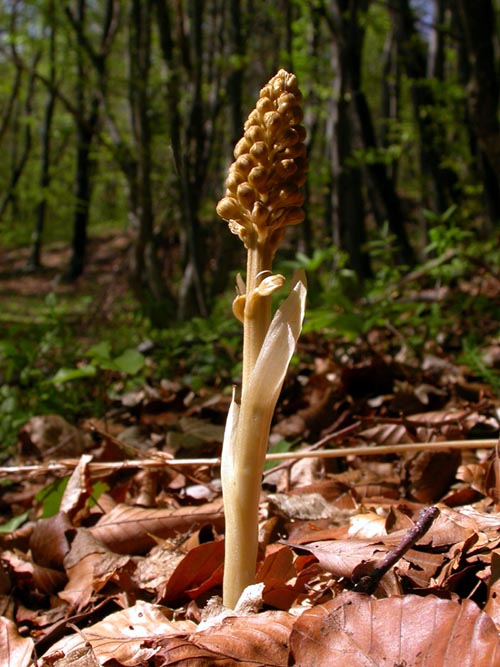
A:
{"points": [[245, 641], [128, 529], [15, 651], [122, 636], [358, 631], [199, 571]]}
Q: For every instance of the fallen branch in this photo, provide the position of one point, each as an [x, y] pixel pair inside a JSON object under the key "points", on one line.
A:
{"points": [[160, 461], [368, 583]]}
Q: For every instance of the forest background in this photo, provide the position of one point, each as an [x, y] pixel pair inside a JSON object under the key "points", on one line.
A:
{"points": [[117, 124]]}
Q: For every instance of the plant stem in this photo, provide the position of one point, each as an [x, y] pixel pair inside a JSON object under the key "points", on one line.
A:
{"points": [[243, 486], [257, 314], [243, 465]]}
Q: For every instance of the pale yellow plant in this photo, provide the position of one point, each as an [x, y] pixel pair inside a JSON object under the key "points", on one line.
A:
{"points": [[262, 198]]}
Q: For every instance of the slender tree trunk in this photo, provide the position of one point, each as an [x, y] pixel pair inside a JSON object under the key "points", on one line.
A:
{"points": [[478, 23], [44, 180], [345, 198], [83, 188], [390, 97], [191, 67], [228, 252], [438, 181], [89, 100], [9, 105], [436, 53], [20, 163], [86, 126], [146, 274], [385, 202]]}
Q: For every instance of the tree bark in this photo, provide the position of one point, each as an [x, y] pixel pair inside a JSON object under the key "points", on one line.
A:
{"points": [[90, 99], [146, 272], [438, 182], [345, 203], [478, 23], [20, 164], [390, 96], [34, 261], [192, 68], [355, 121]]}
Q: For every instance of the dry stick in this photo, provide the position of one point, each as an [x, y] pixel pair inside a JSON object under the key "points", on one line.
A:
{"points": [[317, 445], [100, 469], [369, 582]]}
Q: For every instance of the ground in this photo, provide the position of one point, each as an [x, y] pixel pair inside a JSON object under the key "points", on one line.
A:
{"points": [[112, 543]]}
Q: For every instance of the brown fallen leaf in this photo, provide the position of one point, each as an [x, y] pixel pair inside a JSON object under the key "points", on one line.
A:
{"points": [[122, 636], [341, 557], [281, 574], [199, 571], [492, 606], [245, 641], [31, 577], [431, 473], [352, 558], [44, 435], [133, 530], [48, 542], [89, 566], [15, 651], [78, 488], [357, 631]]}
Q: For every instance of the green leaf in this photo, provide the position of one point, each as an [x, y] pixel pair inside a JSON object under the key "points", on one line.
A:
{"points": [[97, 490], [277, 448], [130, 362], [14, 523], [50, 497], [100, 351], [350, 323], [68, 374]]}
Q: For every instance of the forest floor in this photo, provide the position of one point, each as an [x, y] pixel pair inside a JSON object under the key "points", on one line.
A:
{"points": [[379, 524]]}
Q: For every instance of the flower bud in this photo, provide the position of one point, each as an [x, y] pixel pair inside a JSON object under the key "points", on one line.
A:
{"points": [[263, 183]]}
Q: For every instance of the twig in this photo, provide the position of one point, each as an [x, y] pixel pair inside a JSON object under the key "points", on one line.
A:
{"points": [[369, 582], [98, 469], [313, 448]]}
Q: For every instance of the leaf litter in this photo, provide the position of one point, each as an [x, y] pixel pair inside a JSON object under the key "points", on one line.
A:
{"points": [[119, 559]]}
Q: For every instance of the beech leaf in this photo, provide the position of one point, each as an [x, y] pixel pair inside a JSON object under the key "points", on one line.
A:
{"points": [[128, 529], [122, 636], [355, 630], [15, 651]]}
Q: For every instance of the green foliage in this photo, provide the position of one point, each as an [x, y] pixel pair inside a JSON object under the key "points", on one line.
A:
{"points": [[391, 299], [50, 497], [202, 352], [13, 524], [45, 369], [278, 448], [472, 356], [129, 362]]}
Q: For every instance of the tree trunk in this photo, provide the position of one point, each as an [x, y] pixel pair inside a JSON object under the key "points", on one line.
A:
{"points": [[44, 180], [146, 274], [478, 23], [188, 62], [85, 130], [436, 52], [438, 182], [20, 163], [345, 202], [228, 252], [390, 97]]}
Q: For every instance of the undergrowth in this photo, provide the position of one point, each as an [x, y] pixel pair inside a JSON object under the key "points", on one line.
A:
{"points": [[55, 364]]}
